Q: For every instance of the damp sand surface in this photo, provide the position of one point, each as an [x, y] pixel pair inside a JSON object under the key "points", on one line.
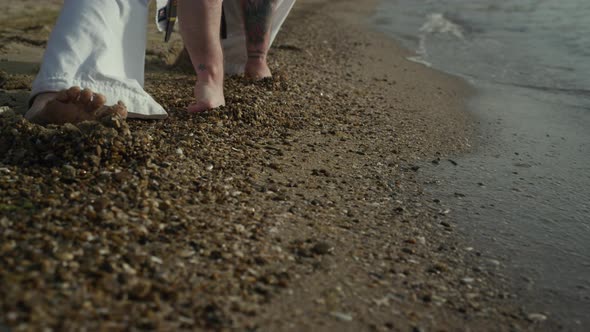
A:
{"points": [[295, 207], [522, 193]]}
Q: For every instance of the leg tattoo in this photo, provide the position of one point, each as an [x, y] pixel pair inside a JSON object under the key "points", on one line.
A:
{"points": [[257, 19], [257, 23], [256, 55]]}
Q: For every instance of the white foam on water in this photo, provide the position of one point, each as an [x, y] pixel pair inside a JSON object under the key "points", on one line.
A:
{"points": [[436, 23], [420, 60]]}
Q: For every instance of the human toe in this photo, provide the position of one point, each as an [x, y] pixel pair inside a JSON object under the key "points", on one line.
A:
{"points": [[86, 97], [73, 93], [98, 101], [119, 109], [62, 96]]}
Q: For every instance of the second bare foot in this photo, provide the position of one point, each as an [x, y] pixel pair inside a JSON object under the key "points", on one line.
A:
{"points": [[72, 106], [257, 69]]}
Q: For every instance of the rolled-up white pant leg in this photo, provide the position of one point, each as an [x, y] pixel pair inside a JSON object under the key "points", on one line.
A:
{"points": [[234, 46], [100, 44]]}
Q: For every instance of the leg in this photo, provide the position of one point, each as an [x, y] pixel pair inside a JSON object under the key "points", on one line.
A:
{"points": [[100, 45], [200, 22], [234, 47], [257, 23]]}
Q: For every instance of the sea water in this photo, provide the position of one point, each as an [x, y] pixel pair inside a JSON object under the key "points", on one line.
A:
{"points": [[523, 195]]}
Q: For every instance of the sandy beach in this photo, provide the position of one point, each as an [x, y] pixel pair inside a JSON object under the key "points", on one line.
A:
{"points": [[296, 207]]}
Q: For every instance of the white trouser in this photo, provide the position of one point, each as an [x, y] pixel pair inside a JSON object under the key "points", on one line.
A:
{"points": [[100, 45]]}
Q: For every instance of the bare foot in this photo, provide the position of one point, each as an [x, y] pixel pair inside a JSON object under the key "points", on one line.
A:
{"points": [[257, 69], [72, 106], [208, 96], [208, 92]]}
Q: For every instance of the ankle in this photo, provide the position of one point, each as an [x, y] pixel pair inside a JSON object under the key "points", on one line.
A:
{"points": [[256, 61], [209, 73]]}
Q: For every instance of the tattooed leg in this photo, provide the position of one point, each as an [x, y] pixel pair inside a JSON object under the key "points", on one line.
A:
{"points": [[257, 23], [199, 27]]}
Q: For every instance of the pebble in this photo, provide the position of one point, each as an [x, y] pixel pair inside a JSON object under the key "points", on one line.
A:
{"points": [[537, 317], [156, 260], [341, 316], [65, 256], [467, 280]]}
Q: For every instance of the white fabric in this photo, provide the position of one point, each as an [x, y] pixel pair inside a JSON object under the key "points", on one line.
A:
{"points": [[100, 44]]}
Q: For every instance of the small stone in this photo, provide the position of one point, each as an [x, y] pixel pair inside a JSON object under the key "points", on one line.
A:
{"points": [[141, 290], [441, 267], [12, 316], [467, 280], [408, 250], [127, 268], [156, 260], [321, 248], [186, 253], [65, 256], [341, 316], [68, 171], [537, 317]]}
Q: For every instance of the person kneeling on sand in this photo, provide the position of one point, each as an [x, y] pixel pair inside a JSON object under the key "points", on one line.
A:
{"points": [[100, 45]]}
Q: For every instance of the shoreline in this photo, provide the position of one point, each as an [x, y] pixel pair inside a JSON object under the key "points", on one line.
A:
{"points": [[498, 214], [296, 207], [518, 195]]}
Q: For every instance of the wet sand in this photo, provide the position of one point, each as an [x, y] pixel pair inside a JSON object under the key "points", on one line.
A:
{"points": [[295, 207]]}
